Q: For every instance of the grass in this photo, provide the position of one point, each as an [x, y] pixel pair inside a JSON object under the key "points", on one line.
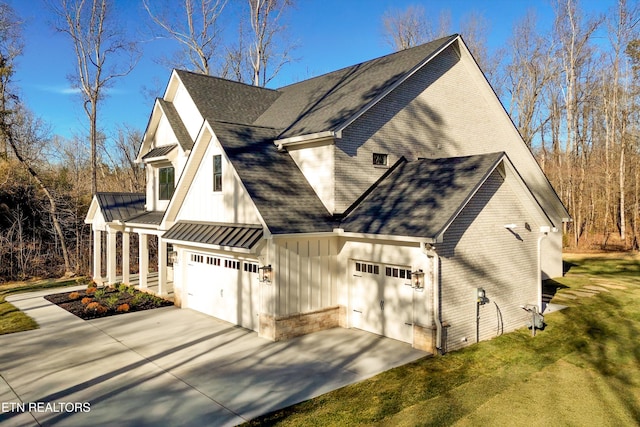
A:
{"points": [[583, 369], [13, 320]]}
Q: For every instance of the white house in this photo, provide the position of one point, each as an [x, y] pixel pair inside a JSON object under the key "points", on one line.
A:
{"points": [[381, 196]]}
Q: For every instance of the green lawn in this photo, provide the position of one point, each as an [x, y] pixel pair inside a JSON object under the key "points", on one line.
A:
{"points": [[583, 369], [13, 320]]}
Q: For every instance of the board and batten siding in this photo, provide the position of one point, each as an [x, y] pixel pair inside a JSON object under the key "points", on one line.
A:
{"points": [[446, 109], [479, 252], [231, 205], [304, 272]]}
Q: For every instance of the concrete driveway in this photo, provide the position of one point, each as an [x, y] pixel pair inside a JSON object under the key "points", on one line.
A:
{"points": [[171, 367]]}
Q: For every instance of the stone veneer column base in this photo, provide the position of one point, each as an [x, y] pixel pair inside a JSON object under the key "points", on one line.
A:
{"points": [[424, 338], [285, 327]]}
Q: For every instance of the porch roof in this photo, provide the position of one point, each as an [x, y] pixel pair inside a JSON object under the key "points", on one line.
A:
{"points": [[230, 235], [120, 206]]}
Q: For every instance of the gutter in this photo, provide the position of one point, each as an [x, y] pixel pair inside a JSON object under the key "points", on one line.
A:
{"points": [[305, 139]]}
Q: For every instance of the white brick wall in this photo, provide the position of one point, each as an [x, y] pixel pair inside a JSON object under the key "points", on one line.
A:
{"points": [[478, 251]]}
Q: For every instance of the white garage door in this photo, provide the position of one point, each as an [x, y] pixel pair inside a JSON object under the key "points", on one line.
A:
{"points": [[223, 287], [382, 299]]}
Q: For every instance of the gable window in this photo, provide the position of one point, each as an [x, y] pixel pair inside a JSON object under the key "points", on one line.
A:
{"points": [[380, 159], [165, 183], [217, 173]]}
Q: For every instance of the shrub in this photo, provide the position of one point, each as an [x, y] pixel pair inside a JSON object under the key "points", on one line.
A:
{"points": [[74, 296], [86, 300], [141, 298], [123, 308], [112, 301], [95, 308], [123, 287], [92, 284], [99, 293], [91, 290]]}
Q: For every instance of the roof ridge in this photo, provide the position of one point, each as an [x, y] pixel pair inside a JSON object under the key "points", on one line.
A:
{"points": [[193, 73], [369, 60], [245, 125]]}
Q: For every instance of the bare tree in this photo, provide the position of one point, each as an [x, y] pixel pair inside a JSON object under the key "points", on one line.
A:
{"points": [[403, 29], [529, 72], [10, 48], [127, 173], [21, 128], [262, 50], [98, 43], [195, 28]]}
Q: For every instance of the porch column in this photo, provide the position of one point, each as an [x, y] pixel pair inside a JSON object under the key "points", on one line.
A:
{"points": [[143, 260], [97, 256], [162, 265], [125, 257], [111, 255]]}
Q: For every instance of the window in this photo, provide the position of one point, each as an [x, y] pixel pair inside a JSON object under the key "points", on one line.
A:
{"points": [[250, 267], [367, 268], [380, 159], [217, 173], [170, 254], [165, 183]]}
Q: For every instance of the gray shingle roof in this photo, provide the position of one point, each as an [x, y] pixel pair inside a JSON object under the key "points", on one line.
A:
{"points": [[284, 198], [120, 206], [179, 129], [159, 151], [420, 198], [323, 103], [231, 235], [224, 100]]}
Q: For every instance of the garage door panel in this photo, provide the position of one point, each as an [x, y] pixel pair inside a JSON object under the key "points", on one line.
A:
{"points": [[382, 300], [218, 286]]}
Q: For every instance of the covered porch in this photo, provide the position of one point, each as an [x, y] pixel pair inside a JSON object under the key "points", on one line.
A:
{"points": [[116, 219]]}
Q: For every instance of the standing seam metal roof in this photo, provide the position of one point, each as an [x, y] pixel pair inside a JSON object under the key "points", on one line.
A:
{"points": [[220, 234]]}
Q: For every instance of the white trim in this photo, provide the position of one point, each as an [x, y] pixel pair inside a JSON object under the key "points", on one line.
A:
{"points": [[308, 138], [198, 245], [411, 239]]}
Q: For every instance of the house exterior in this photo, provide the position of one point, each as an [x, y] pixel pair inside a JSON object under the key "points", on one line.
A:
{"points": [[381, 196]]}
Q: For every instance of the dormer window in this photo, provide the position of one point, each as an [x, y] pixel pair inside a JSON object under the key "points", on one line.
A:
{"points": [[217, 173], [165, 183], [380, 159]]}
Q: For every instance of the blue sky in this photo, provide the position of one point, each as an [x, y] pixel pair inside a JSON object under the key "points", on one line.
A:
{"points": [[331, 34]]}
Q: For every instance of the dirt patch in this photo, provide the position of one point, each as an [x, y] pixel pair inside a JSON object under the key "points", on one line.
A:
{"points": [[94, 303]]}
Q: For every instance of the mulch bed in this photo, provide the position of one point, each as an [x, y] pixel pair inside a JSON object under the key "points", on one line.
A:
{"points": [[107, 301]]}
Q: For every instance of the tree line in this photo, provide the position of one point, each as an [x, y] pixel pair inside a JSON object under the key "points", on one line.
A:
{"points": [[572, 91]]}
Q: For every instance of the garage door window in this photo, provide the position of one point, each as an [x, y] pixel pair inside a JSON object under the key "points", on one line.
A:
{"points": [[229, 263], [363, 267], [397, 272], [250, 267], [197, 258]]}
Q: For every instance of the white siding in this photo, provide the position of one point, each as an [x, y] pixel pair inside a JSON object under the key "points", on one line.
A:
{"points": [[232, 204], [304, 272], [478, 251], [317, 164], [188, 112]]}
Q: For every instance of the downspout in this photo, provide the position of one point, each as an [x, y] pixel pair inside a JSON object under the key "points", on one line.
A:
{"points": [[544, 231], [435, 283]]}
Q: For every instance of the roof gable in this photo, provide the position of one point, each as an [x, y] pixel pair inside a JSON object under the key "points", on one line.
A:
{"points": [[327, 102], [421, 198], [218, 99]]}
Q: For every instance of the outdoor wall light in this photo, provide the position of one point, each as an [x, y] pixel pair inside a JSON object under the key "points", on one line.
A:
{"points": [[172, 257], [482, 296], [417, 279], [266, 273]]}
